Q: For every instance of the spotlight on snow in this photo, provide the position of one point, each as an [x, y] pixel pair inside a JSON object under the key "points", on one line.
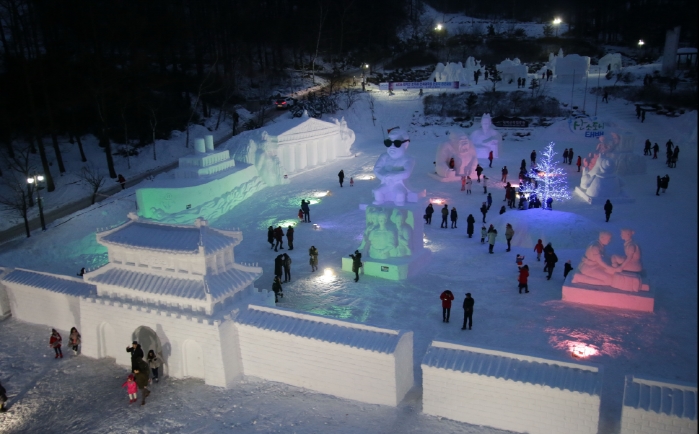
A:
{"points": [[328, 272], [287, 223], [321, 193], [313, 201], [315, 226], [438, 200], [581, 350], [366, 177]]}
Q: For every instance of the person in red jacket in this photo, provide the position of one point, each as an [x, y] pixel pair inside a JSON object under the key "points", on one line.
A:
{"points": [[538, 249], [447, 297], [522, 279], [55, 343]]}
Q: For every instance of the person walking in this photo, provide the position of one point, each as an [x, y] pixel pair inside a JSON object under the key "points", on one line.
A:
{"points": [[468, 311], [484, 211], [470, 223], [463, 183], [131, 388], [428, 214], [551, 260], [491, 240], [479, 170], [656, 149], [532, 156], [270, 236], [74, 339], [509, 233], [565, 156], [605, 97], [489, 200], [356, 264], [646, 147], [665, 182], [504, 174], [286, 266], [538, 249], [277, 289], [469, 182], [485, 184], [579, 163], [122, 181], [351, 181], [608, 209], [453, 216], [522, 279], [306, 210], [136, 354], [154, 363], [141, 377], [313, 258], [300, 214], [290, 237], [55, 342], [279, 238], [547, 251], [675, 156], [570, 156], [341, 176], [659, 183], [567, 268], [447, 297], [445, 215], [490, 159], [278, 266]]}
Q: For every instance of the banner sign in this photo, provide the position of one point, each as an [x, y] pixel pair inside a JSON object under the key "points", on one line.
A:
{"points": [[400, 85], [591, 127], [505, 122]]}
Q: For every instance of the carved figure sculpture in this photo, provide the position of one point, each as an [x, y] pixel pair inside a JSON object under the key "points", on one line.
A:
{"points": [[382, 240], [486, 137], [631, 261], [599, 172], [392, 168], [594, 269], [404, 232], [464, 154]]}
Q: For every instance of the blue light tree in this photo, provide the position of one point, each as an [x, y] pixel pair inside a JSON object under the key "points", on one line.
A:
{"points": [[551, 179]]}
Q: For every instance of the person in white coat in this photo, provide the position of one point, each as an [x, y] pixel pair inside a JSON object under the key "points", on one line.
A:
{"points": [[491, 239]]}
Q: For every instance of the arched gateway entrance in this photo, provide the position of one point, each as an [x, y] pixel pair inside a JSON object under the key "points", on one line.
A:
{"points": [[149, 340]]}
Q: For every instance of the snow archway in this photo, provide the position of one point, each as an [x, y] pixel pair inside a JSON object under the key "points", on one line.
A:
{"points": [[148, 339], [193, 358]]}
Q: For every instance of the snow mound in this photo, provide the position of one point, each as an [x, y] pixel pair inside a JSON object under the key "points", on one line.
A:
{"points": [[564, 230]]}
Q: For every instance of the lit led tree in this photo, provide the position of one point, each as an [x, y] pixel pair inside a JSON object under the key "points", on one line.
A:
{"points": [[551, 180]]}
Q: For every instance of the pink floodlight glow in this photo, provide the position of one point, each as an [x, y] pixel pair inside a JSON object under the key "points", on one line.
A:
{"points": [[438, 200], [581, 350]]}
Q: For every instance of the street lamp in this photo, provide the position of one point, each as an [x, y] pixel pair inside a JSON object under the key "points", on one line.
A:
{"points": [[438, 28], [35, 180], [556, 23], [641, 43]]}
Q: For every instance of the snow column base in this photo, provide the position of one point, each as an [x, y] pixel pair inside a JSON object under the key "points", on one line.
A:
{"points": [[609, 297], [601, 200], [652, 406], [510, 391]]}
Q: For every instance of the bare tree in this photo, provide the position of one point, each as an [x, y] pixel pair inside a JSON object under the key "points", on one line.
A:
{"points": [[371, 107], [94, 178], [16, 199], [204, 89], [351, 96], [322, 16]]}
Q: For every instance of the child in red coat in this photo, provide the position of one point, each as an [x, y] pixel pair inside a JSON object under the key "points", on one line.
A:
{"points": [[538, 249], [55, 343], [131, 388], [447, 297], [522, 279]]}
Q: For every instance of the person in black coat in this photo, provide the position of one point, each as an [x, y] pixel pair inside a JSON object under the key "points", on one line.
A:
{"points": [[532, 156], [270, 236], [290, 237], [551, 260], [567, 268], [279, 238], [356, 264], [479, 170], [470, 221], [484, 210], [136, 354], [548, 249], [468, 311], [428, 214], [306, 210], [608, 209], [656, 149], [453, 216], [341, 176], [278, 264], [659, 183], [277, 288], [3, 399]]}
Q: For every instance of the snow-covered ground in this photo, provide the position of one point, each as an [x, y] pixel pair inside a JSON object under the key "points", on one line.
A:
{"points": [[83, 394]]}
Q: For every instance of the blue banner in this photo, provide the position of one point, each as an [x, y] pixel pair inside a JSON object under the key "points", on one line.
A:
{"points": [[400, 85]]}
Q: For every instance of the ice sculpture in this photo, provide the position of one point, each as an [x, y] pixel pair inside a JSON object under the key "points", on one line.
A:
{"points": [[465, 160], [511, 70], [486, 138], [594, 268], [392, 168], [571, 68], [599, 180]]}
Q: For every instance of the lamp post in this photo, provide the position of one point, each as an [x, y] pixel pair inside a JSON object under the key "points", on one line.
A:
{"points": [[556, 23], [35, 180]]}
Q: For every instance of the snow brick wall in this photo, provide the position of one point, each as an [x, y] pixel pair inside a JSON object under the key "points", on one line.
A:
{"points": [[510, 391], [339, 358], [652, 406]]}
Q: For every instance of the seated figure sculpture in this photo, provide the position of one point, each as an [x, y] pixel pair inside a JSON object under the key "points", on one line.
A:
{"points": [[593, 269], [486, 139], [629, 265], [404, 232], [462, 152], [392, 168]]}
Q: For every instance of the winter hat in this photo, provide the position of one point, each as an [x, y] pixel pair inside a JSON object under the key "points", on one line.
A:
{"points": [[131, 377], [468, 294], [135, 342], [53, 330]]}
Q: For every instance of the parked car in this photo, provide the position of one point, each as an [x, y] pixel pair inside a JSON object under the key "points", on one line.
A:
{"points": [[284, 103]]}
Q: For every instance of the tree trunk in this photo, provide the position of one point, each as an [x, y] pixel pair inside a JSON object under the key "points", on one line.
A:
{"points": [[50, 186], [26, 225], [83, 158], [107, 145], [57, 151]]}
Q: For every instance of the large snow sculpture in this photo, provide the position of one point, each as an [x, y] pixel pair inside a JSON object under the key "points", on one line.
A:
{"points": [[614, 281], [511, 70], [455, 72], [465, 160], [486, 138], [571, 68], [599, 180], [392, 168], [622, 148], [610, 62]]}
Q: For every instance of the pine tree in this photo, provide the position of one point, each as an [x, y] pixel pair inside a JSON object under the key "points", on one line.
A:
{"points": [[551, 180]]}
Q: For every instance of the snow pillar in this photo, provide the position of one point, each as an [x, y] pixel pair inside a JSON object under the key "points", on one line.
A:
{"points": [[323, 152], [312, 153], [301, 156], [199, 146], [672, 40], [209, 139]]}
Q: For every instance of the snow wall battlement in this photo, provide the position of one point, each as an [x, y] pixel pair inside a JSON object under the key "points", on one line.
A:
{"points": [[653, 406], [510, 391], [340, 358]]}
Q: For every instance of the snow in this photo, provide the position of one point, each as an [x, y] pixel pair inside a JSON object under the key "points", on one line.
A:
{"points": [[83, 394]]}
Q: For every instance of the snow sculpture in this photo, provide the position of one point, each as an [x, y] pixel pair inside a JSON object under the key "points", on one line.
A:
{"points": [[389, 233], [622, 149], [599, 180], [486, 138], [465, 160], [511, 70], [392, 168], [610, 62], [572, 68], [615, 281], [456, 72]]}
